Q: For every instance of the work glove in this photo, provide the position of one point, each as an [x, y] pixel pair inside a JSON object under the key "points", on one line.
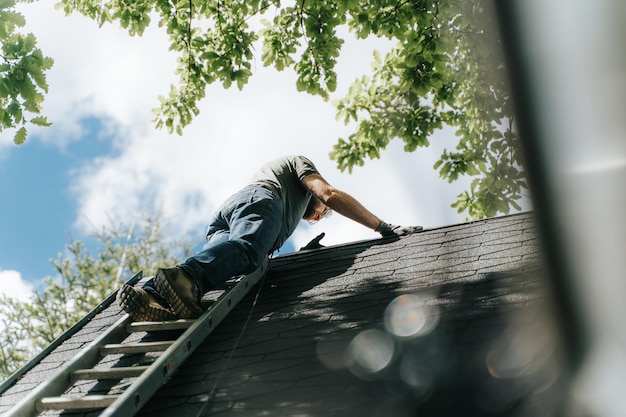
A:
{"points": [[315, 243], [387, 230]]}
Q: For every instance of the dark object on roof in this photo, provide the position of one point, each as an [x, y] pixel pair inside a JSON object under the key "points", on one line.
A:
{"points": [[450, 320]]}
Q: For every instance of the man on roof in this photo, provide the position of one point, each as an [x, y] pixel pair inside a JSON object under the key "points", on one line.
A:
{"points": [[248, 226]]}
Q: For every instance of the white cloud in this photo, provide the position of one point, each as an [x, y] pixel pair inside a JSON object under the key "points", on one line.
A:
{"points": [[12, 285], [100, 72], [109, 75]]}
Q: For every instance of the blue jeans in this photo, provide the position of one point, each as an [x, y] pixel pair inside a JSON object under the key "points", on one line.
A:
{"points": [[240, 235]]}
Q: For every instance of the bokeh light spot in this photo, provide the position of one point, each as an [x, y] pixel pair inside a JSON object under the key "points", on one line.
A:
{"points": [[418, 377], [370, 352], [408, 316]]}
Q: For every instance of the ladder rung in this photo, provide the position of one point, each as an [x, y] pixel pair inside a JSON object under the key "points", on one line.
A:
{"points": [[144, 347], [67, 403], [111, 373], [156, 326]]}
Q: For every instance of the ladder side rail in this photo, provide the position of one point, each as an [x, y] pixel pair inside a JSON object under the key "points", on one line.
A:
{"points": [[8, 383], [56, 385], [138, 394]]}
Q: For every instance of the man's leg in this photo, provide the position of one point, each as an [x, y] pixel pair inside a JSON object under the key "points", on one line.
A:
{"points": [[253, 224], [253, 219], [143, 302]]}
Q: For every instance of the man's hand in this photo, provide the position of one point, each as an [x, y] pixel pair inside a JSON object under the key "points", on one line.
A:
{"points": [[315, 243], [387, 230]]}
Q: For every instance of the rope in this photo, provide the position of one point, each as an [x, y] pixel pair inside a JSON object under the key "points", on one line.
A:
{"points": [[230, 356]]}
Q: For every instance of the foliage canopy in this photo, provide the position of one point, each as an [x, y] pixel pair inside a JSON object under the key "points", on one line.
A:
{"points": [[22, 75], [445, 70]]}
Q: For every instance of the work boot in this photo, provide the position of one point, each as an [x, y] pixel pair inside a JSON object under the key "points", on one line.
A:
{"points": [[141, 305], [181, 292]]}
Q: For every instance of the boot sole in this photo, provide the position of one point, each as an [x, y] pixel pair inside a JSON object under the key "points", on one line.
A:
{"points": [[177, 304], [138, 309]]}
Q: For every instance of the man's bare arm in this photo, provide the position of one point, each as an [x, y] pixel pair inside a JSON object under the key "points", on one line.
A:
{"points": [[346, 205], [340, 201]]}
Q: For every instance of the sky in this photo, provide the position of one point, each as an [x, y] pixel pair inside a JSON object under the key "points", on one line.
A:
{"points": [[103, 160]]}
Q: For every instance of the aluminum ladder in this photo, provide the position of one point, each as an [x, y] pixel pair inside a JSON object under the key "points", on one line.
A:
{"points": [[147, 379]]}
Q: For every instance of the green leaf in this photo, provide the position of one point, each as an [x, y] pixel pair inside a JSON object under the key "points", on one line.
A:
{"points": [[20, 136], [40, 121]]}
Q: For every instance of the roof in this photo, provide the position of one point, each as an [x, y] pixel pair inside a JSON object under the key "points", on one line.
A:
{"points": [[442, 320]]}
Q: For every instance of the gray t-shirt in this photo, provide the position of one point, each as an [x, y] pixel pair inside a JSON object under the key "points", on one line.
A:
{"points": [[283, 177]]}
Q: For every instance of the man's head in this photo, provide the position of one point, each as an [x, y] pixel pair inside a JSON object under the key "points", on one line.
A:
{"points": [[316, 210]]}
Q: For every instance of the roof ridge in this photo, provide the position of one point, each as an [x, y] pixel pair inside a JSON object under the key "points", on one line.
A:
{"points": [[380, 240]]}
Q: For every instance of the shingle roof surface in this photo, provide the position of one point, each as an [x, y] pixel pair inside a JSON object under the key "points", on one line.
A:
{"points": [[320, 339]]}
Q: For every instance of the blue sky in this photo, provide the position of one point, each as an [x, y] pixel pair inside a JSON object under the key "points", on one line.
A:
{"points": [[102, 159], [39, 207]]}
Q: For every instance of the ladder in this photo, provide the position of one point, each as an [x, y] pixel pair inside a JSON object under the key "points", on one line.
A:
{"points": [[147, 379]]}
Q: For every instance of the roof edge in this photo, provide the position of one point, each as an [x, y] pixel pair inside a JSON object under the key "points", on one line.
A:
{"points": [[380, 240]]}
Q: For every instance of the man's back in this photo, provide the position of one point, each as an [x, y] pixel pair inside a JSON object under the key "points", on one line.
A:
{"points": [[282, 177]]}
